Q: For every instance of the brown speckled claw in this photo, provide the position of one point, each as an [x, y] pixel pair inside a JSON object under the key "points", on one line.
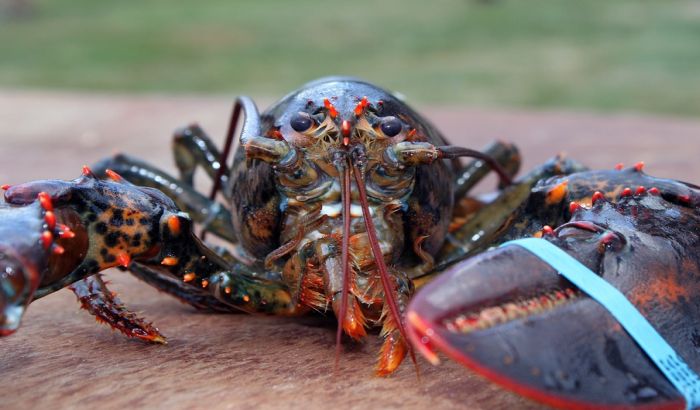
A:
{"points": [[54, 233]]}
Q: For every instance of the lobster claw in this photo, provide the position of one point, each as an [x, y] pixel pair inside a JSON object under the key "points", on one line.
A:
{"points": [[21, 259], [510, 317], [19, 281]]}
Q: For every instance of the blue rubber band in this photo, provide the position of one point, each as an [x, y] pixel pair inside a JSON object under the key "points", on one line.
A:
{"points": [[657, 349]]}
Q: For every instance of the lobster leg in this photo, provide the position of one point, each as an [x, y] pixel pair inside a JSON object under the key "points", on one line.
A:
{"points": [[192, 147], [211, 214], [99, 301], [394, 348], [504, 154], [238, 286], [483, 229], [199, 298]]}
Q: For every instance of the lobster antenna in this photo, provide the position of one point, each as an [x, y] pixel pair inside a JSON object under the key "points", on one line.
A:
{"points": [[452, 152], [251, 127], [389, 297], [345, 259]]}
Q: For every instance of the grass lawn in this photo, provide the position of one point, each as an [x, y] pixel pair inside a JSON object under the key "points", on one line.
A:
{"points": [[622, 55]]}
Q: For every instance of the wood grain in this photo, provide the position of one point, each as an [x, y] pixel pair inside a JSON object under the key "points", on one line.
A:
{"points": [[60, 358]]}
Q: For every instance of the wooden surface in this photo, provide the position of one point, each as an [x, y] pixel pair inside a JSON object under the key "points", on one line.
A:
{"points": [[61, 358]]}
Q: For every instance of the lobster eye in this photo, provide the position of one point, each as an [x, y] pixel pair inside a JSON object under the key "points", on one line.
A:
{"points": [[391, 126], [301, 122]]}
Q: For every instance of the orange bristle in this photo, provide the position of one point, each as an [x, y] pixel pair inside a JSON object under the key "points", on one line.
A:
{"points": [[65, 232], [113, 175], [46, 239], [87, 171], [331, 109], [45, 201], [123, 259], [50, 219], [169, 261], [574, 206], [597, 196], [174, 225], [360, 107]]}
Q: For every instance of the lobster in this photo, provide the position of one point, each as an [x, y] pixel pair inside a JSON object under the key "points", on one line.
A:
{"points": [[510, 317], [339, 198]]}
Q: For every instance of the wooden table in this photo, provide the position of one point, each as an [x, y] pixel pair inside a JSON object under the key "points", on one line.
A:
{"points": [[60, 358]]}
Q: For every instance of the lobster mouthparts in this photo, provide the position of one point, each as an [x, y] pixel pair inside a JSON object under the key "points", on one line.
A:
{"points": [[512, 318]]}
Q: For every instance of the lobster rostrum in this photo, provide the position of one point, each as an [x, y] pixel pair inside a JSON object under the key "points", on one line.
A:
{"points": [[509, 316], [338, 196]]}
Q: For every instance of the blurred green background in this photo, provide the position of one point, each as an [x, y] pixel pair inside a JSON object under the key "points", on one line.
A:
{"points": [[622, 55]]}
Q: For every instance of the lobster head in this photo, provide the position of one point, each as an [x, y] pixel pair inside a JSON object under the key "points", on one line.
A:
{"points": [[509, 316]]}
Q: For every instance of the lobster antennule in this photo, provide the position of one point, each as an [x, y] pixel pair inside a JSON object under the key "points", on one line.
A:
{"points": [[451, 152], [345, 259], [390, 298]]}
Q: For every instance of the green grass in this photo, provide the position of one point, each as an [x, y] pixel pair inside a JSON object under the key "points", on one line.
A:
{"points": [[588, 54]]}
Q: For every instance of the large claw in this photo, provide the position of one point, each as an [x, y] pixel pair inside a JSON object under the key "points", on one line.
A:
{"points": [[509, 316], [54, 233]]}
